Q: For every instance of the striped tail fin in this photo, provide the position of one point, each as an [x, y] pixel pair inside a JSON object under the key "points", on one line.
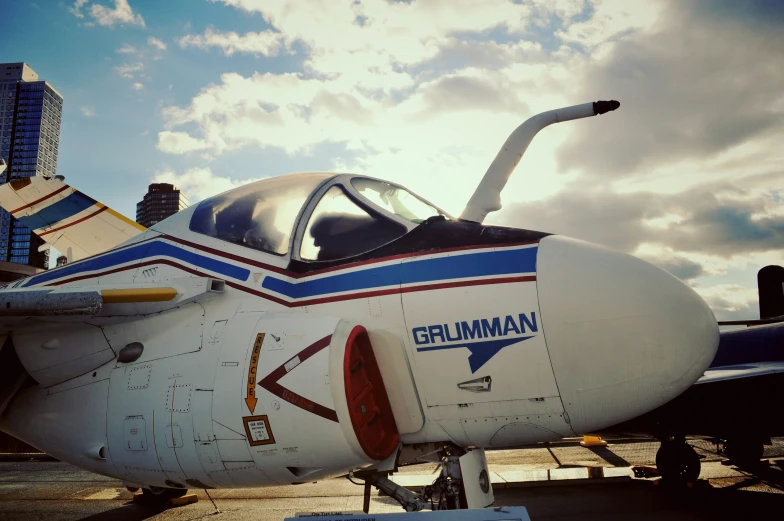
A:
{"points": [[74, 223]]}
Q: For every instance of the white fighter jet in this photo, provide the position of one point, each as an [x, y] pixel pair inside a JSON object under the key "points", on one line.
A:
{"points": [[320, 324]]}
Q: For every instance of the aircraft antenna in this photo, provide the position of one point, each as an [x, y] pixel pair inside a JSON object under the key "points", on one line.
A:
{"points": [[487, 196]]}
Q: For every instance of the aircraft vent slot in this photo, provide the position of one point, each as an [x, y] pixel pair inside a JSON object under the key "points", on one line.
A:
{"points": [[218, 286], [130, 353], [368, 403], [301, 472]]}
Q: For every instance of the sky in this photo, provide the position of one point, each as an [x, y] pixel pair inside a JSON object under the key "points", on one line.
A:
{"points": [[212, 94]]}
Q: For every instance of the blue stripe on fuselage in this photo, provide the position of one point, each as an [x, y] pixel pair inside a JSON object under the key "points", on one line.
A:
{"points": [[62, 209], [455, 266], [142, 251]]}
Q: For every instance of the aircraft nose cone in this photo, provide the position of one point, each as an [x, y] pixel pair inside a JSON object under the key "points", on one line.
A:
{"points": [[624, 337]]}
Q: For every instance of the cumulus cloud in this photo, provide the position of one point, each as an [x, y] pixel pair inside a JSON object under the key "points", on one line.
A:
{"points": [[155, 42], [198, 183], [611, 19], [76, 8], [179, 143], [127, 49], [129, 70], [731, 301], [87, 111], [696, 85], [369, 84], [719, 219], [138, 59], [265, 43], [121, 14]]}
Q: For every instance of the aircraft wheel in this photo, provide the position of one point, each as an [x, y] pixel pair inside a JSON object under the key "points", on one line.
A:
{"points": [[744, 451], [159, 496], [678, 462]]}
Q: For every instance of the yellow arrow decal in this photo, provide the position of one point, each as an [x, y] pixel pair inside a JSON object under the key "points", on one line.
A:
{"points": [[250, 398]]}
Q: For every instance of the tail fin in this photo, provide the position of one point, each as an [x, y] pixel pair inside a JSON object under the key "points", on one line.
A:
{"points": [[770, 281], [75, 224]]}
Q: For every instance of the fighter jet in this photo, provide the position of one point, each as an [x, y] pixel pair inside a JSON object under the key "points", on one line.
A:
{"points": [[321, 324]]}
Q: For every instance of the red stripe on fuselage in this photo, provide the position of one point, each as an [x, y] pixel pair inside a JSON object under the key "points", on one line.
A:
{"points": [[311, 302], [75, 222], [297, 275], [44, 198]]}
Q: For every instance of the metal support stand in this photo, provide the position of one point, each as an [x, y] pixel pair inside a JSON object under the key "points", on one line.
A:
{"points": [[217, 510], [408, 500], [366, 502]]}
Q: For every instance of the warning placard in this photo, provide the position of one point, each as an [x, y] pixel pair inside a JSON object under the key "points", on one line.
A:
{"points": [[258, 430]]}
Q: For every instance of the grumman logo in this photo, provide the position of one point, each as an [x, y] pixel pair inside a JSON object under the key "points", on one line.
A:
{"points": [[472, 335]]}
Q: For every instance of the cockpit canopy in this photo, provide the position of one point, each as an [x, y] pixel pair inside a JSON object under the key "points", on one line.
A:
{"points": [[314, 216]]}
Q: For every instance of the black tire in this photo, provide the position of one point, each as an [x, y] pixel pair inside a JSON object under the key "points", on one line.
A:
{"points": [[678, 463], [744, 451], [159, 496]]}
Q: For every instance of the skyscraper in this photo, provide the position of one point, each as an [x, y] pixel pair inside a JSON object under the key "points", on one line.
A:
{"points": [[30, 113], [160, 201]]}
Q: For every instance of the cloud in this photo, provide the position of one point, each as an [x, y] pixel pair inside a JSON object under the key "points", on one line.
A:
{"points": [[121, 14], [198, 183], [129, 70], [264, 43], [137, 86], [718, 219], [179, 143], [87, 111], [611, 19], [127, 49], [731, 301], [155, 42], [679, 265], [460, 92], [694, 86], [405, 88], [76, 8]]}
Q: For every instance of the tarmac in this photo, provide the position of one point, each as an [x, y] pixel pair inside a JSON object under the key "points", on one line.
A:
{"points": [[552, 482]]}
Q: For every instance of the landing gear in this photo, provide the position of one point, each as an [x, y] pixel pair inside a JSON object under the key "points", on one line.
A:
{"points": [[159, 496], [744, 451], [464, 481], [677, 462]]}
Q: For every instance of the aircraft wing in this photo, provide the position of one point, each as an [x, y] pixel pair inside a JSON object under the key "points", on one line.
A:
{"points": [[74, 223], [734, 372]]}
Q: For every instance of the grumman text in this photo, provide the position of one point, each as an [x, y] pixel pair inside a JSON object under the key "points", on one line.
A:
{"points": [[475, 329]]}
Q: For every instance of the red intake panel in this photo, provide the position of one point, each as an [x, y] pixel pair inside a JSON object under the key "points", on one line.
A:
{"points": [[368, 403]]}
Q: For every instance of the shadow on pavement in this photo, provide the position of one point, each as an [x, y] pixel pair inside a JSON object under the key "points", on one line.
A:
{"points": [[610, 457], [770, 473], [128, 512], [643, 500]]}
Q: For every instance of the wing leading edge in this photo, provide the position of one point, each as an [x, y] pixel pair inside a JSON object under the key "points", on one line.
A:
{"points": [[734, 372], [74, 223]]}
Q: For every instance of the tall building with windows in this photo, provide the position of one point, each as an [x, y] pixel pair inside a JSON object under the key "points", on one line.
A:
{"points": [[30, 114], [160, 201]]}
